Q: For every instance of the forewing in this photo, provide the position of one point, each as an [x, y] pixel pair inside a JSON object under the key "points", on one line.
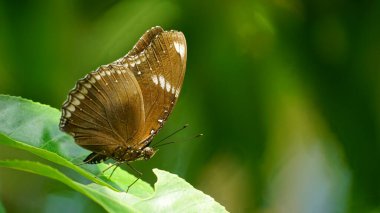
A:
{"points": [[104, 110], [158, 60]]}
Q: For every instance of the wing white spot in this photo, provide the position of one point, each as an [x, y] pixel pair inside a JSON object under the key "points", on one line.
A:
{"points": [[71, 108], [142, 58], [162, 81], [155, 79], [67, 114], [179, 48], [83, 90], [79, 95], [168, 86], [87, 85], [75, 101], [92, 80]]}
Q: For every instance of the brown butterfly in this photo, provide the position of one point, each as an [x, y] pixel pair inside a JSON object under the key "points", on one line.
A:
{"points": [[116, 110]]}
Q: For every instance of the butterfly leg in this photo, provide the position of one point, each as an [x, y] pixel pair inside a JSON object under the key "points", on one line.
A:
{"points": [[138, 178], [117, 164]]}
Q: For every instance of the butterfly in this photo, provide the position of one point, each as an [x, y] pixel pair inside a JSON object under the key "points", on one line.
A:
{"points": [[116, 110]]}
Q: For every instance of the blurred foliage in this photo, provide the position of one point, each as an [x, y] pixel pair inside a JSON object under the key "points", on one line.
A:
{"points": [[286, 92]]}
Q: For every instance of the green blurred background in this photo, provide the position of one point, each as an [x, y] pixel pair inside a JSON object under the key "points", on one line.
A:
{"points": [[287, 93]]}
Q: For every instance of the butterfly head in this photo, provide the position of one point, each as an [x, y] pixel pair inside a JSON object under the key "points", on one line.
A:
{"points": [[148, 152]]}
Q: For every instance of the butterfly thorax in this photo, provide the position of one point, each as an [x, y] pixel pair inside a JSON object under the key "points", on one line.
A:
{"points": [[129, 154]]}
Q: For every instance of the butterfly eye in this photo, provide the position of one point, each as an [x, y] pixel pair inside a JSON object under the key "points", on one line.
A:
{"points": [[148, 152]]}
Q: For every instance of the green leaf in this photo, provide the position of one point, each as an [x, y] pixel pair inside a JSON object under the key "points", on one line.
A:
{"points": [[33, 127], [94, 193], [172, 193]]}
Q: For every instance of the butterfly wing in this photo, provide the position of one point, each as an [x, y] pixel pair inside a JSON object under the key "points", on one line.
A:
{"points": [[158, 61], [127, 102], [104, 110]]}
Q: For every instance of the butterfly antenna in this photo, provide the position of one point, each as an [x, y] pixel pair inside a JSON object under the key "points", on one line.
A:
{"points": [[175, 132], [189, 139]]}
